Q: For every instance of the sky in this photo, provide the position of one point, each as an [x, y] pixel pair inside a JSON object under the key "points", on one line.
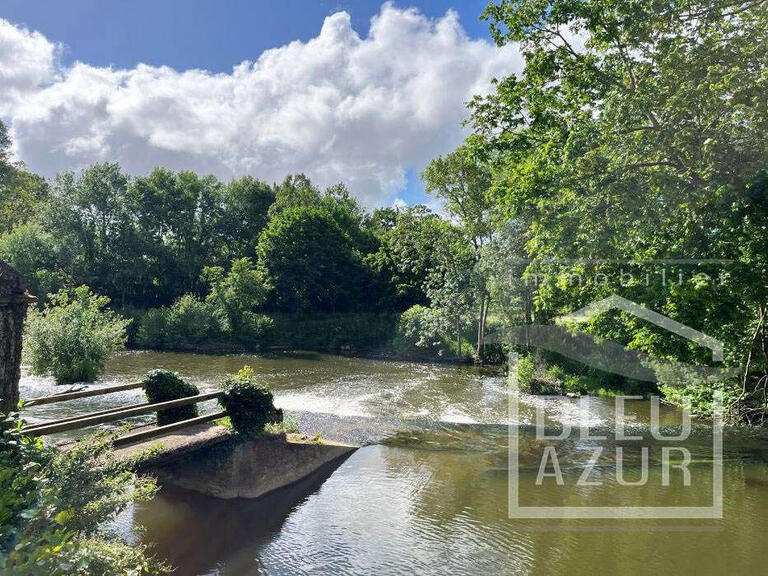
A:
{"points": [[352, 91]]}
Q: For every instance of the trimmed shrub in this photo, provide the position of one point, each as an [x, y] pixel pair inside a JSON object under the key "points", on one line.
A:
{"points": [[161, 386], [248, 402]]}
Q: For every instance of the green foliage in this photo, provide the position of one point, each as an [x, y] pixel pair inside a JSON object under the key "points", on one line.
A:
{"points": [[161, 386], [20, 191], [32, 251], [407, 257], [187, 324], [235, 297], [191, 321], [684, 385], [462, 180], [296, 191], [635, 134], [339, 332], [247, 401], [535, 377], [226, 316], [416, 329], [290, 425], [73, 336], [425, 332], [54, 504], [542, 372], [244, 205], [144, 241], [153, 329], [526, 371], [309, 263]]}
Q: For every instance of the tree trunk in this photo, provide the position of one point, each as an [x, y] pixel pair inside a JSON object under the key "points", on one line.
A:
{"points": [[458, 335], [481, 330]]}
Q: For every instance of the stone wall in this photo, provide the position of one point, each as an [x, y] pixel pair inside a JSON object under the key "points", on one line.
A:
{"points": [[251, 468], [14, 300]]}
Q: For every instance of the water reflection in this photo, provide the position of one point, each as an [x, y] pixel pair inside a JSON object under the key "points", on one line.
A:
{"points": [[406, 510]]}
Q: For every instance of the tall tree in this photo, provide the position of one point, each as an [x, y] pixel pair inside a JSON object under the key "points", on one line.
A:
{"points": [[243, 215], [635, 133], [20, 190], [406, 255], [309, 263], [462, 179]]}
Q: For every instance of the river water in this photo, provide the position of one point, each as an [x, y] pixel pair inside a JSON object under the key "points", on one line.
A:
{"points": [[429, 491]]}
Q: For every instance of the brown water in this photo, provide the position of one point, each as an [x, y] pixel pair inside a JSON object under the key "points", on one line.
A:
{"points": [[430, 494]]}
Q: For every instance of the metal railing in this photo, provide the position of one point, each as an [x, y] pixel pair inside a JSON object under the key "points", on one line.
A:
{"points": [[119, 413]]}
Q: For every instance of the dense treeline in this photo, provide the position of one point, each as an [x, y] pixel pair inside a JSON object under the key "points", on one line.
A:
{"points": [[198, 262]]}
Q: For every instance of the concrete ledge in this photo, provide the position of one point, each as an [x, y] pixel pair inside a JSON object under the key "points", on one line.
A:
{"points": [[170, 446], [250, 468]]}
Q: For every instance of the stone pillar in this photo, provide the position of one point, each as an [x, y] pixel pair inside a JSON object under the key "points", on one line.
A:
{"points": [[14, 300]]}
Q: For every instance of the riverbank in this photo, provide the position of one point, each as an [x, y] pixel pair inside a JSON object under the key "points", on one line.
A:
{"points": [[369, 335]]}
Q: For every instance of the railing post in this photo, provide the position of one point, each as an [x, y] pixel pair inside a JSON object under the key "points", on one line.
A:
{"points": [[14, 300]]}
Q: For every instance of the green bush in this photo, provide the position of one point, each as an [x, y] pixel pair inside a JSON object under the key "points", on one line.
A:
{"points": [[535, 378], [253, 329], [73, 336], [526, 370], [188, 323], [153, 328], [417, 333], [32, 251], [191, 321], [161, 386], [55, 503], [334, 332], [248, 402]]}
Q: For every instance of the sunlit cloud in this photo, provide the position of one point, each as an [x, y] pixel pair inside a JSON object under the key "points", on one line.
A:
{"points": [[339, 107]]}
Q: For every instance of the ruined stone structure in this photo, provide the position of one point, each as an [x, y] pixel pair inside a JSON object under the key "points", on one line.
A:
{"points": [[14, 300]]}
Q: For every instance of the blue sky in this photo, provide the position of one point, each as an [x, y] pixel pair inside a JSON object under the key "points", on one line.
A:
{"points": [[209, 34], [152, 83]]}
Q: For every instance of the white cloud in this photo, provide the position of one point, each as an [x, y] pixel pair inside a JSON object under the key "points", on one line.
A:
{"points": [[27, 60], [337, 107]]}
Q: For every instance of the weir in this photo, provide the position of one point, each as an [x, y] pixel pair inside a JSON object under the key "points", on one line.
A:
{"points": [[198, 454]]}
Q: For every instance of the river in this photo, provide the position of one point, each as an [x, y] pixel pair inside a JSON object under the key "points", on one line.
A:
{"points": [[428, 492]]}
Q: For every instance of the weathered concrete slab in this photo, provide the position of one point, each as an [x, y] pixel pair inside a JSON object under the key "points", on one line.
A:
{"points": [[251, 468], [175, 444]]}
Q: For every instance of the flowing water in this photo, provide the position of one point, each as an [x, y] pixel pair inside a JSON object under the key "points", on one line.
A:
{"points": [[428, 493]]}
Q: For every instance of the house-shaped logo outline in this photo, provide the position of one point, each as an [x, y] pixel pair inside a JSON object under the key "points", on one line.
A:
{"points": [[616, 302]]}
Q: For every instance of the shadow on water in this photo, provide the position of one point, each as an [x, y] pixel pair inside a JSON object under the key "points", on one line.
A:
{"points": [[193, 532]]}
